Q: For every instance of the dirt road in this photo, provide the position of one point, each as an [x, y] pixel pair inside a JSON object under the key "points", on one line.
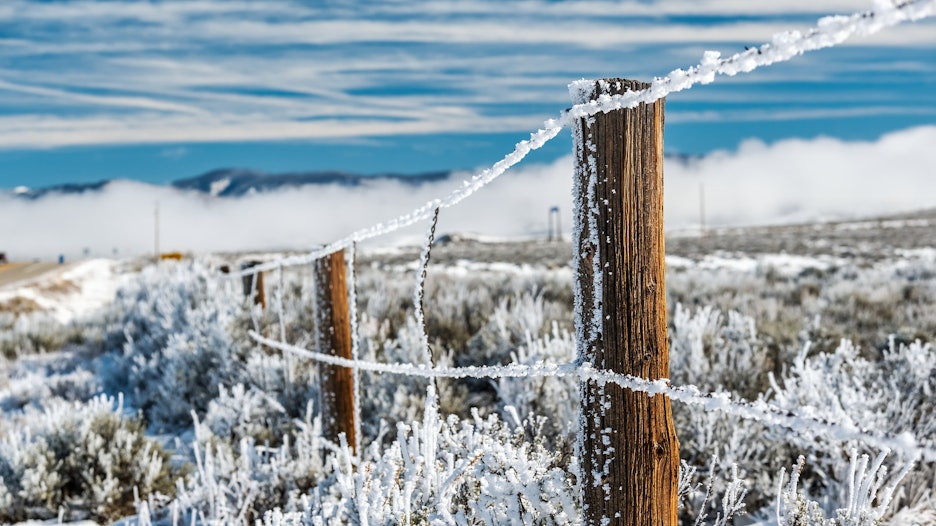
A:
{"points": [[12, 274]]}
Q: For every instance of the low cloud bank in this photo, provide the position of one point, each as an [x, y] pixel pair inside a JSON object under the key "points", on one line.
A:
{"points": [[789, 181]]}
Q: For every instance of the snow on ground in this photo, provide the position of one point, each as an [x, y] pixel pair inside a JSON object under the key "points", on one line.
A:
{"points": [[74, 292], [787, 265]]}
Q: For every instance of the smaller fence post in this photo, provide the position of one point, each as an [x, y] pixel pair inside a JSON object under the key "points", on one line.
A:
{"points": [[333, 336], [253, 284]]}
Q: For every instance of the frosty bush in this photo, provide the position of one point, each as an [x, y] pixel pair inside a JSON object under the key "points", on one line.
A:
{"points": [[716, 351], [34, 379], [178, 341], [174, 329], [553, 397], [237, 477], [82, 459], [181, 331], [479, 471], [869, 494], [38, 332], [892, 395]]}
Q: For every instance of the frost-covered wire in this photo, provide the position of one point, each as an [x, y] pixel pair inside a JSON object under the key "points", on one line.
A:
{"points": [[828, 32], [522, 149], [424, 370], [759, 410], [420, 289], [770, 415]]}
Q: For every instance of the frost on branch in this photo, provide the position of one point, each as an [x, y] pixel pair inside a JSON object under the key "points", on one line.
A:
{"points": [[84, 459], [870, 493], [444, 471]]}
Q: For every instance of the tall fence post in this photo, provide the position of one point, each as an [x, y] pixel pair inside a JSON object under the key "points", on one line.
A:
{"points": [[333, 336], [628, 444]]}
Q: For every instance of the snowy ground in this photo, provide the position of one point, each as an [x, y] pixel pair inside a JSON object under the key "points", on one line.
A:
{"points": [[69, 291], [174, 340]]}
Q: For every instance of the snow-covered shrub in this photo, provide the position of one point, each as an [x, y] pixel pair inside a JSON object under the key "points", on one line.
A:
{"points": [[388, 400], [553, 397], [697, 504], [39, 332], [893, 395], [175, 342], [236, 477], [478, 471], [241, 413], [81, 459], [34, 379], [722, 354], [714, 351], [865, 503], [507, 328]]}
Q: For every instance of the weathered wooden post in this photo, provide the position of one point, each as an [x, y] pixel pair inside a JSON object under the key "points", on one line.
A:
{"points": [[253, 284], [333, 336], [630, 454]]}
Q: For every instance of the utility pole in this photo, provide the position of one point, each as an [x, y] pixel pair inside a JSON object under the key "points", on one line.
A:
{"points": [[555, 228], [156, 229], [702, 214]]}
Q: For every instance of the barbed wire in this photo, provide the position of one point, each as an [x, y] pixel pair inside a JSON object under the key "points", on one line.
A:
{"points": [[419, 291], [828, 32], [760, 411]]}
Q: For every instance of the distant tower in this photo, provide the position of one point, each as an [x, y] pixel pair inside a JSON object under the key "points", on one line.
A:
{"points": [[702, 215], [156, 229], [555, 229]]}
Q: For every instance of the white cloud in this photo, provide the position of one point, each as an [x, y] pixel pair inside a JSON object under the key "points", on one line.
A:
{"points": [[142, 103], [795, 114], [799, 180], [36, 131], [793, 180], [291, 62]]}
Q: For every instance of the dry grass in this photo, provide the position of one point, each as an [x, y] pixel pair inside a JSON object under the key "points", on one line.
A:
{"points": [[59, 287], [19, 305]]}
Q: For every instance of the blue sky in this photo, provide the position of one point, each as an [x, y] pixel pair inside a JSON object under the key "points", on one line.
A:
{"points": [[157, 91]]}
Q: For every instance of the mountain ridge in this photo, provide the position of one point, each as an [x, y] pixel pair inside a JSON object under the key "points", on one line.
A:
{"points": [[239, 182]]}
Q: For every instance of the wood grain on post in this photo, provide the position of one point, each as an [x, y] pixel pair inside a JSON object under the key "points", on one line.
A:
{"points": [[333, 336], [630, 453]]}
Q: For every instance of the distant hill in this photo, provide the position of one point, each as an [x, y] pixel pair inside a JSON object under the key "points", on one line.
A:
{"points": [[237, 182], [68, 188]]}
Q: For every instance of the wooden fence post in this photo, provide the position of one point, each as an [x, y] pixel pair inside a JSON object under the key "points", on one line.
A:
{"points": [[253, 284], [628, 444], [333, 336]]}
